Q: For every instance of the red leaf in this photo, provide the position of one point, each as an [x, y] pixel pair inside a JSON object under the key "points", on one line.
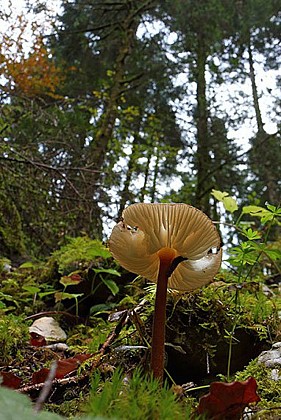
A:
{"points": [[64, 367], [82, 357], [40, 376], [228, 400], [37, 340], [10, 380]]}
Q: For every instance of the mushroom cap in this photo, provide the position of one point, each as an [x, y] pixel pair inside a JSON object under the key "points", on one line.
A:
{"points": [[146, 229]]}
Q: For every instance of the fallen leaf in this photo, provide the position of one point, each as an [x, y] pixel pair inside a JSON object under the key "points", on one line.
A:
{"points": [[37, 340], [40, 376], [228, 400], [64, 367], [10, 380]]}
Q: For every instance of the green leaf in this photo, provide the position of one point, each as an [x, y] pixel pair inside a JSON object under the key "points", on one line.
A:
{"points": [[63, 295], [27, 264], [71, 279], [107, 271], [264, 214], [271, 208], [254, 210], [273, 254], [111, 285], [230, 204], [18, 406], [43, 294], [101, 307], [219, 195], [31, 289], [252, 234]]}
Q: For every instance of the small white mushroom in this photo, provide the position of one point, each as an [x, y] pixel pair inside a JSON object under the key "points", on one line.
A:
{"points": [[48, 328]]}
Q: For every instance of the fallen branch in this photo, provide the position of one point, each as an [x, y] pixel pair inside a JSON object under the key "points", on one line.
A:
{"points": [[46, 388]]}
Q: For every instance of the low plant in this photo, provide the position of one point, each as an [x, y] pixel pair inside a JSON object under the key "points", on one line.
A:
{"points": [[252, 250], [13, 337], [137, 398]]}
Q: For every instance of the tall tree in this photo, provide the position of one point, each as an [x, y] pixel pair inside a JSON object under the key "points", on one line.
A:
{"points": [[257, 35], [202, 26], [106, 33]]}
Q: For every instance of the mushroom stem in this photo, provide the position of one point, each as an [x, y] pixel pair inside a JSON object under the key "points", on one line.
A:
{"points": [[159, 320]]}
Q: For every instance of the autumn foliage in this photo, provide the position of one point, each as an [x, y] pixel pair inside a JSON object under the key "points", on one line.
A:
{"points": [[33, 73], [228, 400]]}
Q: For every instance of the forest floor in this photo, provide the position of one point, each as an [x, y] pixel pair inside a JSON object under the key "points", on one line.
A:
{"points": [[93, 360]]}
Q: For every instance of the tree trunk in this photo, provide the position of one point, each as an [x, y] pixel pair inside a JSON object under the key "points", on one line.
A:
{"points": [[254, 89], [202, 157], [263, 145], [99, 146], [125, 194], [155, 175], [143, 191]]}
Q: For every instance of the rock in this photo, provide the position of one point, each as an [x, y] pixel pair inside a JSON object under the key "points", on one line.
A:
{"points": [[48, 328], [271, 357], [275, 375]]}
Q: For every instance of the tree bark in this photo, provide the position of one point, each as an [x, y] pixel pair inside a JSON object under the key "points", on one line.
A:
{"points": [[202, 157], [100, 144], [125, 194]]}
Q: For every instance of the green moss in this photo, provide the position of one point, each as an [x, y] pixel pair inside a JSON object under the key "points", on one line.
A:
{"points": [[11, 233], [217, 305], [14, 335], [136, 398], [71, 406], [269, 389], [89, 338]]}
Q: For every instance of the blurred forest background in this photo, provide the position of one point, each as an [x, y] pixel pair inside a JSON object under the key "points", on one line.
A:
{"points": [[115, 102]]}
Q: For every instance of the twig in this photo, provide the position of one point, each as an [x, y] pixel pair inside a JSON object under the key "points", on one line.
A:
{"points": [[37, 387], [114, 334], [47, 313], [46, 388]]}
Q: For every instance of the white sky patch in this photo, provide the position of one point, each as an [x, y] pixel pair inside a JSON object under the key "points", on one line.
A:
{"points": [[42, 19]]}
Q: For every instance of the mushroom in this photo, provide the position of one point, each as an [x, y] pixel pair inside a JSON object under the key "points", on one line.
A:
{"points": [[174, 245]]}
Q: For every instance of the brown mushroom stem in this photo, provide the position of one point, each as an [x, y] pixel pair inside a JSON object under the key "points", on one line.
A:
{"points": [[166, 257]]}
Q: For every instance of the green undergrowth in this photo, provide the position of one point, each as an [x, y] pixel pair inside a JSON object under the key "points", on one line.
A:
{"points": [[79, 269], [211, 333], [269, 387], [269, 382], [136, 398], [14, 337], [216, 306]]}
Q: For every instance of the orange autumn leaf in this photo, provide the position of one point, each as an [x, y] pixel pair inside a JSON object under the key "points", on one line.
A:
{"points": [[36, 74], [33, 74]]}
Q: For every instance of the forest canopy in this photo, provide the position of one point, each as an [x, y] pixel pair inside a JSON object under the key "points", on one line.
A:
{"points": [[113, 103]]}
